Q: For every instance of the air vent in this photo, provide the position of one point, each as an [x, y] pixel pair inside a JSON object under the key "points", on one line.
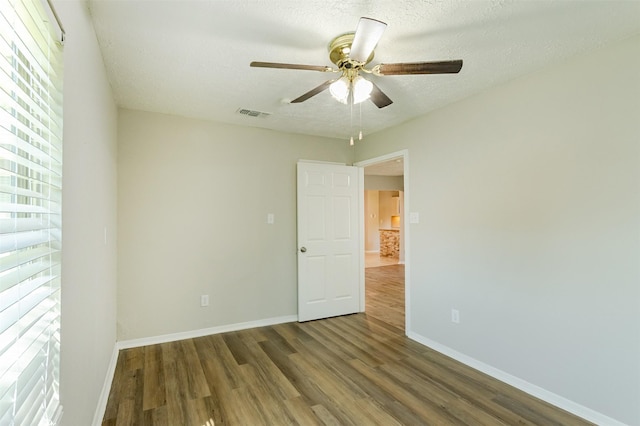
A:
{"points": [[252, 113]]}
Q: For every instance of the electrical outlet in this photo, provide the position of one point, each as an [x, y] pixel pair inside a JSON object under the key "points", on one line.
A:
{"points": [[270, 218], [204, 300], [455, 316]]}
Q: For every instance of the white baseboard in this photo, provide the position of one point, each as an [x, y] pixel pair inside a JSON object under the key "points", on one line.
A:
{"points": [[543, 394], [106, 388], [154, 340]]}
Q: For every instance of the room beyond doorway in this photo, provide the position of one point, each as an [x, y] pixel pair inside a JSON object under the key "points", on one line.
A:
{"points": [[384, 239], [373, 260]]}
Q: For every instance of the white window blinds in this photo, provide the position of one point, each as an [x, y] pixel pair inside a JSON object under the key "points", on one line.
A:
{"points": [[30, 213]]}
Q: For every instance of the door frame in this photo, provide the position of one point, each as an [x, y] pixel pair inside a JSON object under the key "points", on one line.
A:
{"points": [[404, 154]]}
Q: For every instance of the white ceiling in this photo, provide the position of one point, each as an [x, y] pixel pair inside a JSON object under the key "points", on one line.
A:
{"points": [[191, 58]]}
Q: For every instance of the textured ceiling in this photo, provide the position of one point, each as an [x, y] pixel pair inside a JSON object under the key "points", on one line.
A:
{"points": [[191, 58]]}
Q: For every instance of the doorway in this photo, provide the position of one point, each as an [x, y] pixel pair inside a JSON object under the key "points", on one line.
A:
{"points": [[385, 240]]}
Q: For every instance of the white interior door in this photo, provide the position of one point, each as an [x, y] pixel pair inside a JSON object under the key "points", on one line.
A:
{"points": [[328, 241]]}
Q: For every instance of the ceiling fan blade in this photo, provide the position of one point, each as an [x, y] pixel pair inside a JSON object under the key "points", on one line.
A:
{"points": [[379, 98], [367, 36], [441, 67], [324, 86], [290, 66]]}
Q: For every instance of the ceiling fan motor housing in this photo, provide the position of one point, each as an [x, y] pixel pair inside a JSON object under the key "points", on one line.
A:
{"points": [[339, 50]]}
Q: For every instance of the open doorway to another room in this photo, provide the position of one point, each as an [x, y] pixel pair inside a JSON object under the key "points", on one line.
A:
{"points": [[382, 227], [384, 241]]}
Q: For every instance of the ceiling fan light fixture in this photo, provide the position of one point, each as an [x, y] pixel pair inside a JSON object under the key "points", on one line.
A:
{"points": [[351, 52], [361, 89], [340, 89]]}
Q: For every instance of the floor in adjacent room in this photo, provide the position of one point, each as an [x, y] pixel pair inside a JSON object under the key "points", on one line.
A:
{"points": [[384, 290], [373, 259]]}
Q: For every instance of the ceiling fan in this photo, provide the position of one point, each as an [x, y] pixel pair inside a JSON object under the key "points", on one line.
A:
{"points": [[351, 52]]}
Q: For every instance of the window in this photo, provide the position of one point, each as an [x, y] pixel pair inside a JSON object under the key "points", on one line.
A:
{"points": [[30, 213]]}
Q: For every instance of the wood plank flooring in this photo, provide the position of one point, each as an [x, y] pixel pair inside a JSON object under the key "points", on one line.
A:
{"points": [[351, 370], [385, 294], [372, 260]]}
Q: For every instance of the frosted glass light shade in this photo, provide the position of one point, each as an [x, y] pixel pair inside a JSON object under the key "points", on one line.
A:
{"points": [[361, 89], [340, 89]]}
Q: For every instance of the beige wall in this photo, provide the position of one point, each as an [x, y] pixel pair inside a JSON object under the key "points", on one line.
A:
{"points": [[193, 199], [88, 330], [388, 206], [383, 183], [371, 221], [529, 202]]}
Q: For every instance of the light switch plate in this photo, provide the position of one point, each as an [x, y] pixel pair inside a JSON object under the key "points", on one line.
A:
{"points": [[270, 218], [414, 217]]}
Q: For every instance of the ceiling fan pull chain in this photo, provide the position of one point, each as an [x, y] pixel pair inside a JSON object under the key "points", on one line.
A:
{"points": [[351, 117], [360, 133]]}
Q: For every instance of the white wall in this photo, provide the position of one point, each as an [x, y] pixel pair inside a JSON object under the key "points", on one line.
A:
{"points": [[193, 199], [88, 330], [529, 202]]}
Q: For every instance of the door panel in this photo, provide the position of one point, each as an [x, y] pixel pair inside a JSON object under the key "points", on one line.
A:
{"points": [[328, 266]]}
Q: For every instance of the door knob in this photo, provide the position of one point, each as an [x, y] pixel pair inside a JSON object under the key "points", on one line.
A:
{"points": [[303, 249]]}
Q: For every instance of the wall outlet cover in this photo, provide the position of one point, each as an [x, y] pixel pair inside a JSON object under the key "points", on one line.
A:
{"points": [[455, 316]]}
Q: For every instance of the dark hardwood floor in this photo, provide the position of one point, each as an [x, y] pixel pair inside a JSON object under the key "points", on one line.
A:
{"points": [[351, 370]]}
